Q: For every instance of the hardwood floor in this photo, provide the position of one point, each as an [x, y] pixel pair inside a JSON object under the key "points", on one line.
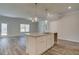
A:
{"points": [[12, 46], [64, 47], [17, 46]]}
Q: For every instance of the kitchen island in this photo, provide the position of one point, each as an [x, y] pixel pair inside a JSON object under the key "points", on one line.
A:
{"points": [[38, 43]]}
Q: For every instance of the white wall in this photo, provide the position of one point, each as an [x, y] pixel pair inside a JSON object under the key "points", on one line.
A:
{"points": [[53, 26], [67, 27]]}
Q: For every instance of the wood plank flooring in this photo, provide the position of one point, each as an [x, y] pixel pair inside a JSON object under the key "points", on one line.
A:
{"points": [[12, 46], [17, 46], [64, 47]]}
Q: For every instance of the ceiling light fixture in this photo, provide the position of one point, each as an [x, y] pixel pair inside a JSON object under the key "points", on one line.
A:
{"points": [[46, 21], [46, 12], [69, 7], [35, 18], [47, 15]]}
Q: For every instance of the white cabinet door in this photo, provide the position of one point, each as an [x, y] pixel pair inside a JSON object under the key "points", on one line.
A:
{"points": [[39, 45], [31, 45], [52, 39], [44, 44], [48, 41]]}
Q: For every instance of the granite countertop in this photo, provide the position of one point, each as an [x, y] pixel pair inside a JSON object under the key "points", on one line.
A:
{"points": [[36, 34]]}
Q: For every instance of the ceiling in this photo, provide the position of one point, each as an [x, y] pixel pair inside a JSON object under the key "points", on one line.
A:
{"points": [[29, 10]]}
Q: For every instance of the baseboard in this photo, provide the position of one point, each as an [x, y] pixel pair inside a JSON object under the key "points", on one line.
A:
{"points": [[68, 40], [68, 43]]}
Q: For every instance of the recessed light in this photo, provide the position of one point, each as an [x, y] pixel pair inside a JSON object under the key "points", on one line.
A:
{"points": [[69, 7]]}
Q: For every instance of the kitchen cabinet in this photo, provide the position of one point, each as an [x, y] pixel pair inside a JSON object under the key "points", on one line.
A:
{"points": [[39, 43]]}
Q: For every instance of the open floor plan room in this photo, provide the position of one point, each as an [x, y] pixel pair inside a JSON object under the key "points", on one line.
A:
{"points": [[39, 29]]}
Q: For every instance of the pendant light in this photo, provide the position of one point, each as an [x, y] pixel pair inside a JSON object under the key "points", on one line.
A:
{"points": [[35, 18], [46, 14]]}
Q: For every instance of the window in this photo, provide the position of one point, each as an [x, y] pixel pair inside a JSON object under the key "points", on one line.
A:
{"points": [[3, 29], [24, 27], [43, 26], [27, 27]]}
